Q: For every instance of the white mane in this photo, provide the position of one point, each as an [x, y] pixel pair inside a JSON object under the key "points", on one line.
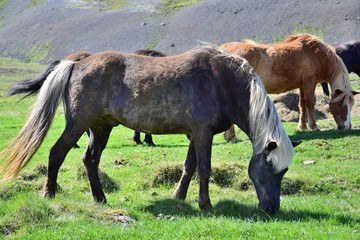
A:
{"points": [[266, 126]]}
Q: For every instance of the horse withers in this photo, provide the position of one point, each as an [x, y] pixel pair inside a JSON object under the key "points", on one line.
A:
{"points": [[301, 61], [200, 93]]}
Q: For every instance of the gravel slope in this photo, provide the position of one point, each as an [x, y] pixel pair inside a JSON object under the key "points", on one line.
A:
{"points": [[56, 28]]}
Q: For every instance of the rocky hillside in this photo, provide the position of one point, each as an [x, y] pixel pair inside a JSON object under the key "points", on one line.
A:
{"points": [[44, 30]]}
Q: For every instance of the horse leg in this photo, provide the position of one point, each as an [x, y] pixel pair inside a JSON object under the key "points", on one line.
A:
{"points": [[229, 135], [203, 143], [136, 137], [57, 155], [188, 172], [148, 140], [325, 88], [99, 135], [302, 111], [310, 100]]}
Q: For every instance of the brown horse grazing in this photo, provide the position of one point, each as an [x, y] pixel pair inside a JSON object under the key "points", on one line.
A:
{"points": [[301, 61], [201, 93]]}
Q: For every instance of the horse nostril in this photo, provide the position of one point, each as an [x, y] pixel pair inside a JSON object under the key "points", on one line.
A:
{"points": [[341, 127]]}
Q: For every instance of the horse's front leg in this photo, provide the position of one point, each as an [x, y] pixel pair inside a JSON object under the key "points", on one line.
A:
{"points": [[203, 143], [99, 136], [188, 172], [302, 111]]}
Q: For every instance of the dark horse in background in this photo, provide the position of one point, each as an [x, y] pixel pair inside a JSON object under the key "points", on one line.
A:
{"points": [[349, 52], [33, 85], [201, 93]]}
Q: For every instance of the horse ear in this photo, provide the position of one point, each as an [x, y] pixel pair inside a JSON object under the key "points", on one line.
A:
{"points": [[271, 145], [296, 143]]}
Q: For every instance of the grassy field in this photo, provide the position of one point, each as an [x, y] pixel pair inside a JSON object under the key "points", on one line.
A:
{"points": [[319, 200]]}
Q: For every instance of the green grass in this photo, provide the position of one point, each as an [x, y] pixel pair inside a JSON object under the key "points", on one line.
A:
{"points": [[171, 6], [319, 201], [107, 4], [3, 2], [34, 3]]}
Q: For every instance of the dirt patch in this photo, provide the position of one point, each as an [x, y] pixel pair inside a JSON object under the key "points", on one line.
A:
{"points": [[288, 109], [287, 106]]}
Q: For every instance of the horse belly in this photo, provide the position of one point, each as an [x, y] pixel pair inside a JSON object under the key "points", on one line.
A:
{"points": [[156, 119]]}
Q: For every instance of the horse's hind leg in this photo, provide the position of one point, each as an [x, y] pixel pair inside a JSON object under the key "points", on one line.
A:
{"points": [[229, 135], [302, 111], [99, 135], [57, 155], [148, 139], [136, 137], [188, 172]]}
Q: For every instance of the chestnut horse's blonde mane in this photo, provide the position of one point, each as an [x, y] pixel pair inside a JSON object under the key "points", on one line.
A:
{"points": [[342, 82]]}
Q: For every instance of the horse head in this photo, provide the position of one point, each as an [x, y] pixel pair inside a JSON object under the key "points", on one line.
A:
{"points": [[340, 107], [266, 178]]}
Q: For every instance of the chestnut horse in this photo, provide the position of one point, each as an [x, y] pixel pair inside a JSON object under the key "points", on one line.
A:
{"points": [[301, 61], [200, 93]]}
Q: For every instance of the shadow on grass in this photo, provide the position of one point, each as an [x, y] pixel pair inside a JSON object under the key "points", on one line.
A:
{"points": [[232, 209], [329, 134]]}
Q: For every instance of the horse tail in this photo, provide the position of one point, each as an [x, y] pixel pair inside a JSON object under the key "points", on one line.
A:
{"points": [[30, 137], [32, 86]]}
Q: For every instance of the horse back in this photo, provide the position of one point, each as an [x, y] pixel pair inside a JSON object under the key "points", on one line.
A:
{"points": [[297, 61], [140, 91]]}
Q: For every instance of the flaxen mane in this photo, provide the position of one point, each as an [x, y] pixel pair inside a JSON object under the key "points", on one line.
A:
{"points": [[264, 122], [265, 126]]}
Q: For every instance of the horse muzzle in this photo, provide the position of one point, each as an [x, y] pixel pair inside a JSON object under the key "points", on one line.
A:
{"points": [[270, 206], [344, 126]]}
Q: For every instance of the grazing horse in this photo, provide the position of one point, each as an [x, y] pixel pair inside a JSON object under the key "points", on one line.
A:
{"points": [[301, 61], [33, 85], [200, 93], [349, 52]]}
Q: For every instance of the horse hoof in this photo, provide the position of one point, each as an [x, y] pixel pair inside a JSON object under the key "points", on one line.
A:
{"points": [[205, 206], [47, 194], [301, 128], [177, 195]]}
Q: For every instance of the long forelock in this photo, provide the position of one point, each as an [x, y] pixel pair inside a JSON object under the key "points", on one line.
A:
{"points": [[265, 126]]}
